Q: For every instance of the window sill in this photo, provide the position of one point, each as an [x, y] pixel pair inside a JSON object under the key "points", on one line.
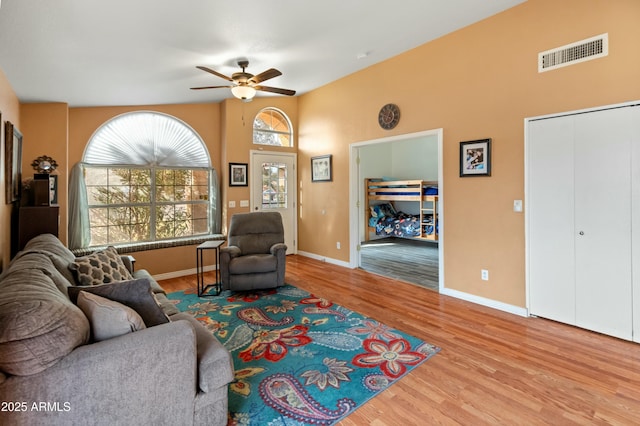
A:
{"points": [[152, 245]]}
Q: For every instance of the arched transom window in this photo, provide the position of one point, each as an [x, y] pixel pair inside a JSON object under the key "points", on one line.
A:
{"points": [[148, 179], [272, 127]]}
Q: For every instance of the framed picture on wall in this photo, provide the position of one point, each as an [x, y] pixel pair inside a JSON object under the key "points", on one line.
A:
{"points": [[321, 168], [13, 162], [238, 174], [475, 158]]}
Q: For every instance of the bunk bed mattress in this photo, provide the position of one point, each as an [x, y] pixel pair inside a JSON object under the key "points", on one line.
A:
{"points": [[428, 190]]}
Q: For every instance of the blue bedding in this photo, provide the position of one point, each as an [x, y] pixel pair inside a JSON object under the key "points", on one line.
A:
{"points": [[428, 190], [401, 225]]}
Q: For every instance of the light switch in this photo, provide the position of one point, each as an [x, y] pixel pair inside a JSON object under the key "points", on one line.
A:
{"points": [[232, 204], [244, 203], [517, 206]]}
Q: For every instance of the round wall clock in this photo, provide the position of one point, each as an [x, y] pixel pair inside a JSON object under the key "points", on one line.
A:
{"points": [[44, 164], [389, 116]]}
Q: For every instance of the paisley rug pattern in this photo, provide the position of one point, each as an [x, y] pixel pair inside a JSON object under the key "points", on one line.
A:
{"points": [[300, 359]]}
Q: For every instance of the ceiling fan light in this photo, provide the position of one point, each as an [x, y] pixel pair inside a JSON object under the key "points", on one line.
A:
{"points": [[245, 93]]}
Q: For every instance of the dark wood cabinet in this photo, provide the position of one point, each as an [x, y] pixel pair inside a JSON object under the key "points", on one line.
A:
{"points": [[31, 221]]}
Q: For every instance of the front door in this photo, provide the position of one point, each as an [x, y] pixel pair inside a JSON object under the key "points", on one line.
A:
{"points": [[273, 188]]}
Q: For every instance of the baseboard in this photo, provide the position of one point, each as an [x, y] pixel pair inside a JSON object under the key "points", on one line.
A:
{"points": [[324, 259], [490, 303], [184, 272]]}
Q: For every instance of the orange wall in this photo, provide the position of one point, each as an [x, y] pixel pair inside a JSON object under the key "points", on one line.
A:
{"points": [[10, 110], [237, 142], [45, 131], [478, 82]]}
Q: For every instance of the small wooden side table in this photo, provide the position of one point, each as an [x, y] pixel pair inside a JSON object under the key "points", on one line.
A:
{"points": [[202, 288]]}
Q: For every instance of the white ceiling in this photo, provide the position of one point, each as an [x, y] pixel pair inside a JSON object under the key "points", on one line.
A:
{"points": [[137, 52]]}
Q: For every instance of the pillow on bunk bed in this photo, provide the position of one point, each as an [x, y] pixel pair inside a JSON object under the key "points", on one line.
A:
{"points": [[430, 190], [379, 211], [390, 179]]}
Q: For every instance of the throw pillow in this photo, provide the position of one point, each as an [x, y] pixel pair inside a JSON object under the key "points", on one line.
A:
{"points": [[135, 294], [102, 267], [108, 319]]}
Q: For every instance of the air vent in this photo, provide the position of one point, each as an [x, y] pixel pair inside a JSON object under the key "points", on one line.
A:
{"points": [[581, 51]]}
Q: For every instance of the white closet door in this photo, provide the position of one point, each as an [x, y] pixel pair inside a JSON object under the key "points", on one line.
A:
{"points": [[603, 222], [550, 211], [635, 218]]}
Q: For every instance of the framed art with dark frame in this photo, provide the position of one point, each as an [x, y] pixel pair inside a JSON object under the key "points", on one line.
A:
{"points": [[321, 168], [238, 174], [475, 158], [13, 162]]}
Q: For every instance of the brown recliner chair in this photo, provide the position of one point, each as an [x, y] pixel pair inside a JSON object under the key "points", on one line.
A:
{"points": [[255, 256]]}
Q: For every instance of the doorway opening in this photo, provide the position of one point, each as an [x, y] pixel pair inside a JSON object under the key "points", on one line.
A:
{"points": [[414, 156]]}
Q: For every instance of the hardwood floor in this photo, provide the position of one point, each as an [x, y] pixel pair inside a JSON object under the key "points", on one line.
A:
{"points": [[403, 259], [494, 367]]}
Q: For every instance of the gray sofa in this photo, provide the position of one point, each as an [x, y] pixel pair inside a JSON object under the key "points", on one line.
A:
{"points": [[52, 373]]}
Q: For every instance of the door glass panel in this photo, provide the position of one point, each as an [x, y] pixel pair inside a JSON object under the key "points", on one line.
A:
{"points": [[274, 185]]}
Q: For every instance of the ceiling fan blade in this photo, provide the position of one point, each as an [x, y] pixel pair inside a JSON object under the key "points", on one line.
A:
{"points": [[216, 73], [275, 90], [264, 76], [210, 87]]}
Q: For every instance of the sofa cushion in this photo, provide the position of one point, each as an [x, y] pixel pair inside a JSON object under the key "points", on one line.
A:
{"points": [[143, 273], [41, 261], [53, 248], [135, 294], [108, 319], [101, 267], [38, 324]]}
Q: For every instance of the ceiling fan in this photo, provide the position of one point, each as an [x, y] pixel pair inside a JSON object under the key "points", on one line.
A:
{"points": [[245, 85]]}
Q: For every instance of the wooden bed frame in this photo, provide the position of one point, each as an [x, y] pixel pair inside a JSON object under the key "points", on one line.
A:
{"points": [[379, 190]]}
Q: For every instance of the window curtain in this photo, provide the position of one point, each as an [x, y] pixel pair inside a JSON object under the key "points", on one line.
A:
{"points": [[215, 216], [79, 227]]}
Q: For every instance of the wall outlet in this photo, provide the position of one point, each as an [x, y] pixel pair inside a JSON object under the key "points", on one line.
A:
{"points": [[232, 204], [338, 245], [484, 274]]}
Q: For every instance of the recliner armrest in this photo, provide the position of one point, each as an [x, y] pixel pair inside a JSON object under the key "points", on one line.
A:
{"points": [[278, 247], [231, 251]]}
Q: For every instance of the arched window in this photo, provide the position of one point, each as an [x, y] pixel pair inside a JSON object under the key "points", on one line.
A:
{"points": [[272, 127], [148, 178]]}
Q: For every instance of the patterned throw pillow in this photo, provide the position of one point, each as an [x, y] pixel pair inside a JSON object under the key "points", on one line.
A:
{"points": [[102, 267]]}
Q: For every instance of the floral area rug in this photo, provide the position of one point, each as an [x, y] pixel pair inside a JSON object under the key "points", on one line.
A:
{"points": [[301, 359]]}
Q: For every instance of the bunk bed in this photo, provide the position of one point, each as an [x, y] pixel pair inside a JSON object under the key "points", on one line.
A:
{"points": [[383, 219]]}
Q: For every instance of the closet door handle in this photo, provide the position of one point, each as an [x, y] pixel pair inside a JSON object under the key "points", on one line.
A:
{"points": [[581, 232]]}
